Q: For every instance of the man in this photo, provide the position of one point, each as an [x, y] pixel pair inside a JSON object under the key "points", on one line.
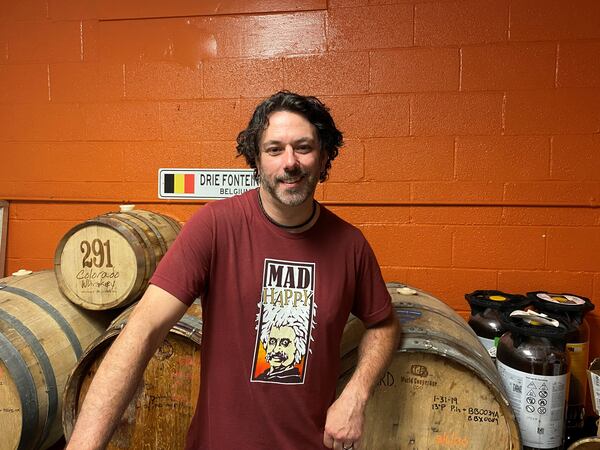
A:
{"points": [[263, 262]]}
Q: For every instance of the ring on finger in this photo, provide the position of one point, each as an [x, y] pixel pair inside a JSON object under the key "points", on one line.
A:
{"points": [[348, 446]]}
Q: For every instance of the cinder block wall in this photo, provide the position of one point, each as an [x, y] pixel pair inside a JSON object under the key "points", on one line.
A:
{"points": [[472, 127]]}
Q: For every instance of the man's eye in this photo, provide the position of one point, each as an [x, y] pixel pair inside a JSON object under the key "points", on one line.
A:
{"points": [[273, 150], [285, 342], [272, 341], [304, 149]]}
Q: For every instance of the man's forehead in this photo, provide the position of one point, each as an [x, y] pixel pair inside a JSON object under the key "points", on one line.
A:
{"points": [[281, 123]]}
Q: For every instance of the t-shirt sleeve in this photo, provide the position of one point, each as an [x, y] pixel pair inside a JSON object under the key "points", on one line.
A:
{"points": [[184, 270], [372, 301]]}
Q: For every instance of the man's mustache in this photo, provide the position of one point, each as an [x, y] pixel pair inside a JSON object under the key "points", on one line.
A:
{"points": [[292, 175], [276, 355]]}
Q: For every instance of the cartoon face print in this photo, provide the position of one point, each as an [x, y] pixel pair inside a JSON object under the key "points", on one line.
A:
{"points": [[284, 323], [281, 347]]}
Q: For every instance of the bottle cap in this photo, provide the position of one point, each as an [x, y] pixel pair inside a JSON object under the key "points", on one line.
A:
{"points": [[532, 323], [535, 318], [560, 303], [497, 300]]}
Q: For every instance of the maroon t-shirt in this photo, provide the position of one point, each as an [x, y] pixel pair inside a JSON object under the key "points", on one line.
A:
{"points": [[274, 309]]}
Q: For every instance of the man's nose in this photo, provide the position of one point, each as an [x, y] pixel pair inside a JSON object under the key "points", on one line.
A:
{"points": [[289, 157]]}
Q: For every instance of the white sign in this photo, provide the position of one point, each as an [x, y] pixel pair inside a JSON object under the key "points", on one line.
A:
{"points": [[205, 184]]}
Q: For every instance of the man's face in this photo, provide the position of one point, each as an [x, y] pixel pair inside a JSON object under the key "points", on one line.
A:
{"points": [[290, 161], [281, 347]]}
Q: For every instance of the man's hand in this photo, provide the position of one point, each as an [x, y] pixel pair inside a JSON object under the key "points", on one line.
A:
{"points": [[345, 421], [346, 416]]}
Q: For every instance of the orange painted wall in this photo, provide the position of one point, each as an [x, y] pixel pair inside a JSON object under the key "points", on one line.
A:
{"points": [[472, 127]]}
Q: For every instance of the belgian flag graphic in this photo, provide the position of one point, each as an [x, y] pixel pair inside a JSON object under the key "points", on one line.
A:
{"points": [[179, 183]]}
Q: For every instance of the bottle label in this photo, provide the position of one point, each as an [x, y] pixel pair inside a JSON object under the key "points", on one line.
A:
{"points": [[489, 344], [539, 404], [595, 383]]}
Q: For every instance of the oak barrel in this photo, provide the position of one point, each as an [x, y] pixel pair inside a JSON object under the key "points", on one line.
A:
{"points": [[159, 415], [166, 399], [589, 443], [106, 262], [441, 390], [42, 335]]}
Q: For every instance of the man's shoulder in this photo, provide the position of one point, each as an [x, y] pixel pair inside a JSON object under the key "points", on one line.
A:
{"points": [[339, 225], [227, 208], [235, 202]]}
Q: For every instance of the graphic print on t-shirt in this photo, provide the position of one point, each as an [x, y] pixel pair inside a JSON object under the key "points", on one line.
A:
{"points": [[285, 319]]}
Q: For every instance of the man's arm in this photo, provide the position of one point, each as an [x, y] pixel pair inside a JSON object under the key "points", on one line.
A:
{"points": [[119, 373], [345, 417]]}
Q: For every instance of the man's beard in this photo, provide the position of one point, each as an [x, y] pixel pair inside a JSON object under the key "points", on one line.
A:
{"points": [[291, 196]]}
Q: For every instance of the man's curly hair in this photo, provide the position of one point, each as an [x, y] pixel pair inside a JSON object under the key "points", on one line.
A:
{"points": [[311, 108]]}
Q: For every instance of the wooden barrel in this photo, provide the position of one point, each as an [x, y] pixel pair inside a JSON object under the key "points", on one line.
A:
{"points": [[441, 390], [106, 262], [166, 399], [42, 335], [161, 411], [590, 443]]}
